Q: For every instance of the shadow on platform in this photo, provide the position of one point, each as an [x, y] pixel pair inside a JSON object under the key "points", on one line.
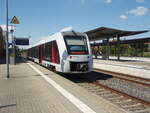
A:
{"points": [[87, 77], [18, 60], [10, 105], [2, 61]]}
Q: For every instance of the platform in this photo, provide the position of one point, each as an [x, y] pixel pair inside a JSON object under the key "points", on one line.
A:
{"points": [[34, 89], [135, 66]]}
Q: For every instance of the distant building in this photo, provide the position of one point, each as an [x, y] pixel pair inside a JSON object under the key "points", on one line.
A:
{"points": [[1, 43]]}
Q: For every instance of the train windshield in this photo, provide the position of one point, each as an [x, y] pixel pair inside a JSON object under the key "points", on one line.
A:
{"points": [[76, 44]]}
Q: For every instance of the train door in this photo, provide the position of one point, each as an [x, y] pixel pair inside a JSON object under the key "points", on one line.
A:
{"points": [[40, 53], [55, 53]]}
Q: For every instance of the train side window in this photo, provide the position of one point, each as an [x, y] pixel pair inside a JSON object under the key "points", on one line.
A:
{"points": [[50, 51], [57, 57], [29, 52], [32, 52], [36, 52], [43, 51], [47, 52]]}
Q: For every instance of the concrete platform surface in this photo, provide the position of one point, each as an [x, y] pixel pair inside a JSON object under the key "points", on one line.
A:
{"points": [[133, 66], [27, 91]]}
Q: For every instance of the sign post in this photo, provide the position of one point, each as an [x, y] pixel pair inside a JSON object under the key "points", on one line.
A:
{"points": [[7, 53], [13, 21], [12, 56]]}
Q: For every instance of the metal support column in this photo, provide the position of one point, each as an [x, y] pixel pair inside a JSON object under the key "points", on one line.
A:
{"points": [[95, 50], [99, 52], [7, 52], [14, 47], [118, 47], [107, 50], [115, 50], [136, 49], [142, 44]]}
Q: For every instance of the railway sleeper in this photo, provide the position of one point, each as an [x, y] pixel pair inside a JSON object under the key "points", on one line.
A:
{"points": [[143, 111], [103, 93], [132, 105], [137, 108], [120, 99], [111, 96], [114, 98], [125, 101], [83, 84]]}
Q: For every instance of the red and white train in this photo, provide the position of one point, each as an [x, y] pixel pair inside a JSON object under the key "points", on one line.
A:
{"points": [[66, 51]]}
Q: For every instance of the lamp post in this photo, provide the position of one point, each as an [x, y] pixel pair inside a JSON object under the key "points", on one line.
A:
{"points": [[7, 52]]}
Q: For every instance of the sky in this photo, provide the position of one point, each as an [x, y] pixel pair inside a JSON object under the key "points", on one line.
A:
{"points": [[40, 18]]}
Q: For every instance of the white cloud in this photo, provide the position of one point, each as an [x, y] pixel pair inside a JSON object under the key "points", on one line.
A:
{"points": [[124, 17], [108, 1], [139, 11], [140, 1]]}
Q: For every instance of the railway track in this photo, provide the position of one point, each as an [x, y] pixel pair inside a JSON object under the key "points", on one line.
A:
{"points": [[129, 93], [139, 80], [125, 102]]}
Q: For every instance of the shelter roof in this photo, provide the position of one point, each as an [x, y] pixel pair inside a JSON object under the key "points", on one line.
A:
{"points": [[104, 32]]}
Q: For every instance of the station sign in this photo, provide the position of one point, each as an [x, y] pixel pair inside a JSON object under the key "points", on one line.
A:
{"points": [[22, 41]]}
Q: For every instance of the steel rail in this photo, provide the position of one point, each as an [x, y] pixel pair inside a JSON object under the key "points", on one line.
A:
{"points": [[122, 76], [122, 93]]}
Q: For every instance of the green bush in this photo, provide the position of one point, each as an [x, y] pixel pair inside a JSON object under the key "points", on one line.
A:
{"points": [[12, 55], [146, 54]]}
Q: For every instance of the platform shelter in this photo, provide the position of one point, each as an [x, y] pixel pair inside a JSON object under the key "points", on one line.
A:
{"points": [[105, 33]]}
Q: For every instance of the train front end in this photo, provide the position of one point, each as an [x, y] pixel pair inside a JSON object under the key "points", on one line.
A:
{"points": [[77, 56]]}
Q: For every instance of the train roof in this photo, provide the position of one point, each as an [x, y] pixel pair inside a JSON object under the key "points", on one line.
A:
{"points": [[62, 32]]}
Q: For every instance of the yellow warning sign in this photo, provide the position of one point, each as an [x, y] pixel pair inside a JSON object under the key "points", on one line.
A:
{"points": [[14, 20]]}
